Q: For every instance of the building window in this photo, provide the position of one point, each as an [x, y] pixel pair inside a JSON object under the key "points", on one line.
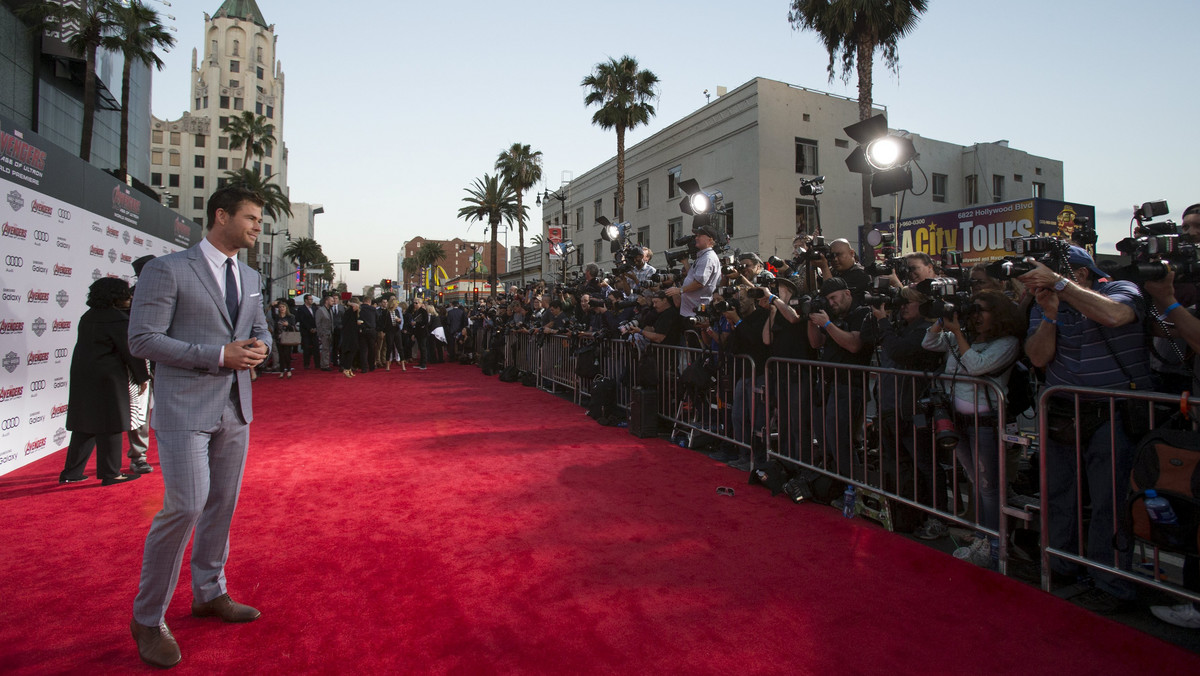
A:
{"points": [[197, 202], [236, 163], [271, 112], [806, 156], [259, 71], [233, 84], [258, 108], [997, 188], [223, 121], [235, 67], [939, 187], [674, 231], [198, 182], [205, 101], [674, 175], [223, 143], [971, 189], [156, 157], [643, 193], [237, 103], [806, 216], [268, 171], [841, 143], [556, 220], [236, 46], [223, 163], [616, 207], [156, 136], [199, 161], [579, 218], [1037, 171], [1018, 178], [643, 236], [221, 182], [259, 53], [598, 207], [200, 140], [224, 101], [1039, 189], [173, 180], [174, 159], [596, 256], [197, 103], [156, 179], [176, 139]]}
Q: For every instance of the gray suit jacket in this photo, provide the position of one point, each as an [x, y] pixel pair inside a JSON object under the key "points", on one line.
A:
{"points": [[324, 320], [179, 321]]}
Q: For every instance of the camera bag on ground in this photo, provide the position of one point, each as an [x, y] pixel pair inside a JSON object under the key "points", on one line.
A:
{"points": [[510, 374], [1167, 461], [587, 361], [643, 412], [773, 475], [490, 363], [529, 378], [603, 403]]}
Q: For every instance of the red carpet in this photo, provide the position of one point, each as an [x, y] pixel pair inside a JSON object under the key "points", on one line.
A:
{"points": [[444, 522]]}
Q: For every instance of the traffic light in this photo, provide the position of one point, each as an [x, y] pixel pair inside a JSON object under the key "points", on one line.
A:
{"points": [[387, 283], [354, 265]]}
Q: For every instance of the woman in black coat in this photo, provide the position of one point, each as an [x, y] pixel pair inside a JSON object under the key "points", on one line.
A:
{"points": [[101, 370], [349, 343]]}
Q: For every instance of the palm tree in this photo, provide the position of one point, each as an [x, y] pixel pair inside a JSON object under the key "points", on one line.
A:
{"points": [[88, 25], [252, 131], [275, 202], [853, 30], [491, 199], [624, 94], [304, 250], [522, 169], [141, 33], [409, 267], [429, 255]]}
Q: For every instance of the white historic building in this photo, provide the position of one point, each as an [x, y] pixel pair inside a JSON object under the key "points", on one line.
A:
{"points": [[755, 144]]}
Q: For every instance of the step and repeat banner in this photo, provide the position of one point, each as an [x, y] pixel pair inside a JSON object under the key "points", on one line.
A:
{"points": [[65, 224]]}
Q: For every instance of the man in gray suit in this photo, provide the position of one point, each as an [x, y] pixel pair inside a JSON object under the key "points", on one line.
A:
{"points": [[198, 315], [324, 318]]}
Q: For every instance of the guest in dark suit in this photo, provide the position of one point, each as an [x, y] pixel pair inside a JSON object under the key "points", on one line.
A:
{"points": [[456, 322], [436, 354], [349, 342], [101, 369], [307, 319], [336, 310], [420, 330], [368, 321]]}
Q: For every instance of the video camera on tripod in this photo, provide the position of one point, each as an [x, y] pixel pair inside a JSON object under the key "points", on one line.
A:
{"points": [[1155, 249], [1049, 251]]}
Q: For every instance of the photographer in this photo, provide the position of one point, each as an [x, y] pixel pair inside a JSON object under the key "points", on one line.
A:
{"points": [[603, 323], [667, 328], [703, 276], [555, 319], [746, 338], [591, 281], [995, 323], [786, 336], [843, 264], [839, 334], [1087, 333], [901, 333], [641, 267], [751, 271]]}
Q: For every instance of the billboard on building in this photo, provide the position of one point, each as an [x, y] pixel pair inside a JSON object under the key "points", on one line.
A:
{"points": [[65, 224], [979, 231]]}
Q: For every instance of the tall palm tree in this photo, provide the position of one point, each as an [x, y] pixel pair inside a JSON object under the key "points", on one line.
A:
{"points": [[253, 132], [430, 255], [522, 168], [409, 267], [275, 201], [624, 94], [91, 24], [141, 33], [491, 199], [853, 30], [304, 250]]}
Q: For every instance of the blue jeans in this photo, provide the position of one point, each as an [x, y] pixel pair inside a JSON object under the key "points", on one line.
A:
{"points": [[985, 475], [743, 428]]}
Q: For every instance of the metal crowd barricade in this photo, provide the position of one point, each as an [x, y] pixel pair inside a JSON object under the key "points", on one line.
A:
{"points": [[558, 362], [1090, 544], [866, 426], [618, 362], [701, 401]]}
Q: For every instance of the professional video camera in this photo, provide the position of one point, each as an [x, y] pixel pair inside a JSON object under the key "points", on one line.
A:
{"points": [[1156, 249], [934, 413], [1049, 251], [945, 300], [811, 187], [952, 267]]}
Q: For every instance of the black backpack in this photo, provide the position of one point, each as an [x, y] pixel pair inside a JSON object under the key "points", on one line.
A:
{"points": [[603, 404], [510, 374], [1022, 391], [1168, 461]]}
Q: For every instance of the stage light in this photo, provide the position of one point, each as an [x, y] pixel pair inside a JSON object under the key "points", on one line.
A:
{"points": [[883, 155]]}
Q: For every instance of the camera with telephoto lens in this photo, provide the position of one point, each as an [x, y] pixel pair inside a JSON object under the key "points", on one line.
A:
{"points": [[945, 300], [1052, 252], [817, 249], [934, 414], [806, 305], [883, 295], [1156, 249], [626, 304], [626, 327]]}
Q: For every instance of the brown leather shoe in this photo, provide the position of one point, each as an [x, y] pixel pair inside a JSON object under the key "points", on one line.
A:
{"points": [[225, 608], [156, 645]]}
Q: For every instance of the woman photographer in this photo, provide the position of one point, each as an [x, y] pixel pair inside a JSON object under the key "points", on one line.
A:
{"points": [[995, 326]]}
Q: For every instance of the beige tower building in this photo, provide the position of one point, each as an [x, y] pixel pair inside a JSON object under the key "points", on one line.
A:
{"points": [[235, 71]]}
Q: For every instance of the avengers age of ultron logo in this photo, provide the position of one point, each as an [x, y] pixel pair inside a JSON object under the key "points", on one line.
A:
{"points": [[37, 358], [60, 325], [10, 230], [37, 296], [96, 251], [8, 393], [35, 445], [58, 411], [61, 270], [112, 232], [41, 208], [8, 328]]}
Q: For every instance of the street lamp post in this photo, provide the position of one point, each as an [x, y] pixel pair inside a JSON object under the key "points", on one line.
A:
{"points": [[561, 196]]}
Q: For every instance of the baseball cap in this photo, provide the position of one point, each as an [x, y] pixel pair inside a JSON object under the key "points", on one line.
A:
{"points": [[707, 230], [750, 256], [833, 284], [1079, 258]]}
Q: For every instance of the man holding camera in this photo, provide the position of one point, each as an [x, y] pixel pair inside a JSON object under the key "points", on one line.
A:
{"points": [[843, 264], [641, 267], [703, 276], [1087, 332], [840, 336]]}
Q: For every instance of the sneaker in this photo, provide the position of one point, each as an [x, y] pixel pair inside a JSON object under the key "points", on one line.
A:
{"points": [[932, 529], [1101, 602], [979, 553], [1183, 615], [140, 467]]}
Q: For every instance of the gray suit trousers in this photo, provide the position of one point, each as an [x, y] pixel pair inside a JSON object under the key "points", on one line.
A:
{"points": [[202, 476]]}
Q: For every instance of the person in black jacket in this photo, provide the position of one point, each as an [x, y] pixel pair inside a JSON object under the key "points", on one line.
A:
{"points": [[306, 318], [101, 371], [368, 321], [420, 329], [349, 340]]}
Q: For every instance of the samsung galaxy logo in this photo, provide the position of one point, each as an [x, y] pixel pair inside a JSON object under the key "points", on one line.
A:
{"points": [[39, 266], [7, 457], [40, 208], [12, 295], [35, 418], [10, 230], [60, 383], [62, 243]]}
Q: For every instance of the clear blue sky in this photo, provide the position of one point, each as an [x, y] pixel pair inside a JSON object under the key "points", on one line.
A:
{"points": [[392, 108]]}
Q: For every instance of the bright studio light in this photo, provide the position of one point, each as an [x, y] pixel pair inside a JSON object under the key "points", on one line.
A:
{"points": [[700, 203], [882, 153]]}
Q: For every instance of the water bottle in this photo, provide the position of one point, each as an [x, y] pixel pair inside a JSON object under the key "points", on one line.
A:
{"points": [[848, 502], [1159, 509]]}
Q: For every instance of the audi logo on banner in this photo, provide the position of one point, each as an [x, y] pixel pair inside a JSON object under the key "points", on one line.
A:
{"points": [[14, 262], [64, 214], [10, 424], [37, 386], [61, 353], [41, 236]]}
